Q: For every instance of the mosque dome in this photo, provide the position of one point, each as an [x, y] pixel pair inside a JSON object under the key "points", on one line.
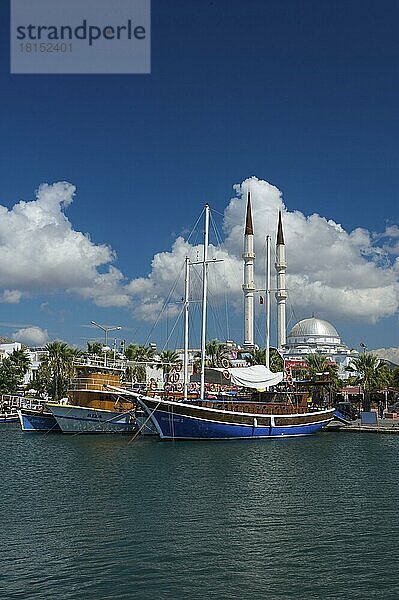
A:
{"points": [[313, 327]]}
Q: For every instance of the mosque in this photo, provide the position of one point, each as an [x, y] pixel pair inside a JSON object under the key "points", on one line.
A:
{"points": [[313, 335], [308, 336]]}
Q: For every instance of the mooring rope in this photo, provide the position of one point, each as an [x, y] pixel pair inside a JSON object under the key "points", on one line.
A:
{"points": [[144, 424]]}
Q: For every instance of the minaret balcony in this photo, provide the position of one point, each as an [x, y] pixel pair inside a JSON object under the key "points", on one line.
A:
{"points": [[248, 287], [281, 295], [248, 255]]}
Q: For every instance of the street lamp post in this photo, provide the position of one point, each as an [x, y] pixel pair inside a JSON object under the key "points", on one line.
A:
{"points": [[106, 329]]}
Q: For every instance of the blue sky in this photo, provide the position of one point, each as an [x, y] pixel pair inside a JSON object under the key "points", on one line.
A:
{"points": [[303, 95]]}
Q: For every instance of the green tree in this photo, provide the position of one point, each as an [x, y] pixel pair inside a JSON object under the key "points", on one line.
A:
{"points": [[21, 359], [12, 371], [169, 359], [372, 374], [258, 357], [95, 348], [320, 367], [42, 382], [276, 361], [395, 378], [216, 354], [11, 376], [57, 370], [136, 353]]}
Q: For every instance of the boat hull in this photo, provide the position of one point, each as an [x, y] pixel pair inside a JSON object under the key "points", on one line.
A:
{"points": [[178, 421], [36, 420], [80, 419]]}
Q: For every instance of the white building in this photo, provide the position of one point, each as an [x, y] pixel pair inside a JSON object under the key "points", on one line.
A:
{"points": [[311, 336], [35, 355]]}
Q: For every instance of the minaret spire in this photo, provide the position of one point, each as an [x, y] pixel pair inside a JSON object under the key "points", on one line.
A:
{"points": [[249, 230], [280, 234], [281, 293], [249, 284]]}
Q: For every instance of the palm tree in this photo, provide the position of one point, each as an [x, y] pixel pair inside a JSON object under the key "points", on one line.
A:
{"points": [[59, 364], [373, 374], [258, 357], [136, 353], [317, 366], [170, 359], [95, 348], [21, 360], [216, 354]]}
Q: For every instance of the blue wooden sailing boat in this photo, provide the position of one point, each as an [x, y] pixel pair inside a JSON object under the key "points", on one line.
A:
{"points": [[205, 419], [239, 419]]}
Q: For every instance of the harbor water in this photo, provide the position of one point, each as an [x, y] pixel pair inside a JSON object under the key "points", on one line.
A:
{"points": [[98, 517]]}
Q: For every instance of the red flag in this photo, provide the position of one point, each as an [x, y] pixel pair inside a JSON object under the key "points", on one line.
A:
{"points": [[260, 299]]}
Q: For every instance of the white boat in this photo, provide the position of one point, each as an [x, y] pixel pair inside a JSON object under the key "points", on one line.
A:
{"points": [[90, 407], [81, 419]]}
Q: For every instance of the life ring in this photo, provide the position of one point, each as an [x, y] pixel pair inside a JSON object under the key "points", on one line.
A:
{"points": [[225, 363], [226, 374], [173, 377]]}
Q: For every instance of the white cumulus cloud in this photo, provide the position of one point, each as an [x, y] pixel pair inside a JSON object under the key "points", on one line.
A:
{"points": [[40, 252], [31, 336], [337, 274]]}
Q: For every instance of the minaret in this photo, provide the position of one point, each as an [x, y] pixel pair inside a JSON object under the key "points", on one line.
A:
{"points": [[249, 284], [281, 294]]}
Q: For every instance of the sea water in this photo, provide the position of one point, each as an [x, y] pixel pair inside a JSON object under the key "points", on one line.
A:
{"points": [[101, 517]]}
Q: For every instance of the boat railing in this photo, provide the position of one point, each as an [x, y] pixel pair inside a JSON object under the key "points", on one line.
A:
{"points": [[255, 407], [87, 384], [100, 362], [14, 401]]}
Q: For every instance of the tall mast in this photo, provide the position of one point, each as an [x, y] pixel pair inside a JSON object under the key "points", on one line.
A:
{"points": [[204, 295], [281, 293], [248, 285], [267, 349], [186, 323]]}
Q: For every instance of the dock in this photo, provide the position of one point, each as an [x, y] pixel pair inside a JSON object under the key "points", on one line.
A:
{"points": [[387, 426]]}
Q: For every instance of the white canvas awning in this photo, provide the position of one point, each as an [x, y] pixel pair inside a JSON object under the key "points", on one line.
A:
{"points": [[257, 377]]}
